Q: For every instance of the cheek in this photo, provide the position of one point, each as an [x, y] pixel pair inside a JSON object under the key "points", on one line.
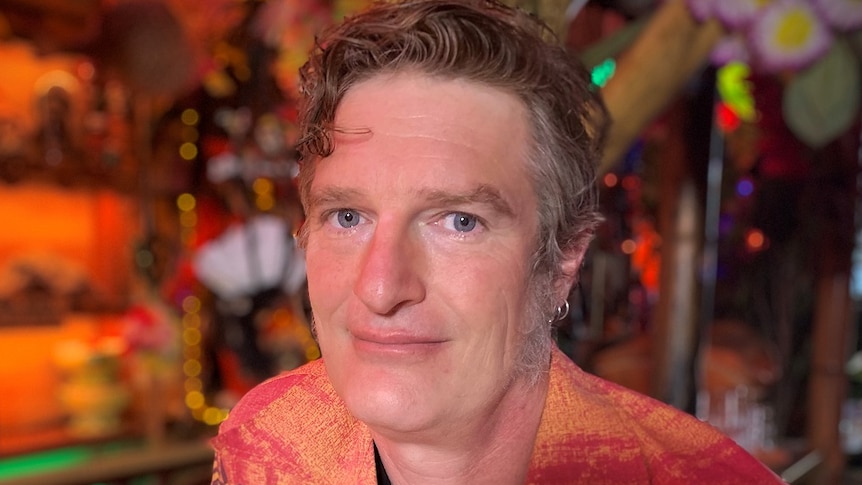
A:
{"points": [[491, 295], [326, 276]]}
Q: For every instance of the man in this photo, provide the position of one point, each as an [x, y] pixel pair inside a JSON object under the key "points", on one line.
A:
{"points": [[448, 155]]}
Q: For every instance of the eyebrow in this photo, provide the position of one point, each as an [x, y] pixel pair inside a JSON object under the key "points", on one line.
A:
{"points": [[481, 194], [332, 196]]}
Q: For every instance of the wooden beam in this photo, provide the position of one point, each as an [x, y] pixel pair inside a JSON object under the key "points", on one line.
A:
{"points": [[652, 72]]}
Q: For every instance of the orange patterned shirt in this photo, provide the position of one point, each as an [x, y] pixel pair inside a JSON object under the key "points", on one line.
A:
{"points": [[293, 429]]}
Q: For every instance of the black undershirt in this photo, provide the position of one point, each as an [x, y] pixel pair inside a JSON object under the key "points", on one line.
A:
{"points": [[382, 477]]}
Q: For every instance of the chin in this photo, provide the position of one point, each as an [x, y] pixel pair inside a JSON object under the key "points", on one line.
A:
{"points": [[385, 399]]}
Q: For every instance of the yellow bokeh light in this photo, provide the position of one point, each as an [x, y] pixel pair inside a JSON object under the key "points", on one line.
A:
{"points": [[262, 186], [191, 336], [264, 202], [190, 117], [186, 202], [188, 151], [191, 320], [194, 399], [192, 368], [191, 304], [213, 416], [193, 384]]}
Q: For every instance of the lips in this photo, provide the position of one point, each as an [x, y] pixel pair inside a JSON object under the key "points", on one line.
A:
{"points": [[394, 337], [397, 342]]}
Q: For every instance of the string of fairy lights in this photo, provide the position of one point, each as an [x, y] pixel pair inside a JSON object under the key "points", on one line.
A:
{"points": [[263, 190], [192, 335]]}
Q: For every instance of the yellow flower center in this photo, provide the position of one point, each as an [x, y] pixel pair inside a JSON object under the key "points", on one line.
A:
{"points": [[794, 29]]}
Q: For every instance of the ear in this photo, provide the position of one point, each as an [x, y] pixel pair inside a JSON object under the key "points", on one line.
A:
{"points": [[570, 271]]}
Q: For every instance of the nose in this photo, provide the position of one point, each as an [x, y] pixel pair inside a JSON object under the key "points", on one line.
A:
{"points": [[390, 273]]}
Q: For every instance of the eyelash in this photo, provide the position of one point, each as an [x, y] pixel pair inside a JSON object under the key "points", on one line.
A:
{"points": [[328, 217], [479, 223]]}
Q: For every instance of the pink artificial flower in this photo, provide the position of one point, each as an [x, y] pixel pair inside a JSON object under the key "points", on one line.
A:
{"points": [[739, 14], [788, 35], [842, 15], [731, 48]]}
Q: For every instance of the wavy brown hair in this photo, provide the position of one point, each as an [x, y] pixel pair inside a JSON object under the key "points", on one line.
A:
{"points": [[486, 42]]}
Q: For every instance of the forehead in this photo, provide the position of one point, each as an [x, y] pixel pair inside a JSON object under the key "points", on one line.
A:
{"points": [[447, 106], [399, 120]]}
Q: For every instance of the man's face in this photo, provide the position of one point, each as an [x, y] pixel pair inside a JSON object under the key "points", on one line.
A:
{"points": [[421, 225]]}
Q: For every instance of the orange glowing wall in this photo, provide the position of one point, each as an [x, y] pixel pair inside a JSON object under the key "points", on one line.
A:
{"points": [[92, 228]]}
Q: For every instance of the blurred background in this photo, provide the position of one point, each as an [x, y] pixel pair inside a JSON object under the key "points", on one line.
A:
{"points": [[149, 274]]}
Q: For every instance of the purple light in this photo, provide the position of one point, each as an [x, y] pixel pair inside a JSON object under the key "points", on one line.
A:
{"points": [[744, 187]]}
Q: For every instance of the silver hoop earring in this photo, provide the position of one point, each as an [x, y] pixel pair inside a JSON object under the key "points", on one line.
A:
{"points": [[564, 311], [560, 312]]}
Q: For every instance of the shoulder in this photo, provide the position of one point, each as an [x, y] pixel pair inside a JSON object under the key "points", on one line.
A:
{"points": [[292, 428], [637, 431], [280, 392]]}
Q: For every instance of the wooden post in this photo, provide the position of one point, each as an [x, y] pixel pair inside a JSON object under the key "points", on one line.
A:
{"points": [[836, 170], [680, 222], [652, 72], [828, 382]]}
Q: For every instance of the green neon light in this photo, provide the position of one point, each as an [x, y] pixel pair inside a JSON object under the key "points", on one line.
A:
{"points": [[735, 89], [603, 72], [44, 461]]}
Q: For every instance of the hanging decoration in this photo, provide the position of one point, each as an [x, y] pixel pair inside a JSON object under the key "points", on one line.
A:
{"points": [[735, 89], [805, 42], [778, 35], [788, 35], [821, 102]]}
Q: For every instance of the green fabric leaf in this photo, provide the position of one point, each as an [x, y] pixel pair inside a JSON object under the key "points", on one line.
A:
{"points": [[821, 102]]}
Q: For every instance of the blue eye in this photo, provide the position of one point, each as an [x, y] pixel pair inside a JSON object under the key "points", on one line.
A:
{"points": [[462, 222], [347, 218]]}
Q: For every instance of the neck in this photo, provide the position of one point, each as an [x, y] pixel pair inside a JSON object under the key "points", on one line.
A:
{"points": [[495, 449]]}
